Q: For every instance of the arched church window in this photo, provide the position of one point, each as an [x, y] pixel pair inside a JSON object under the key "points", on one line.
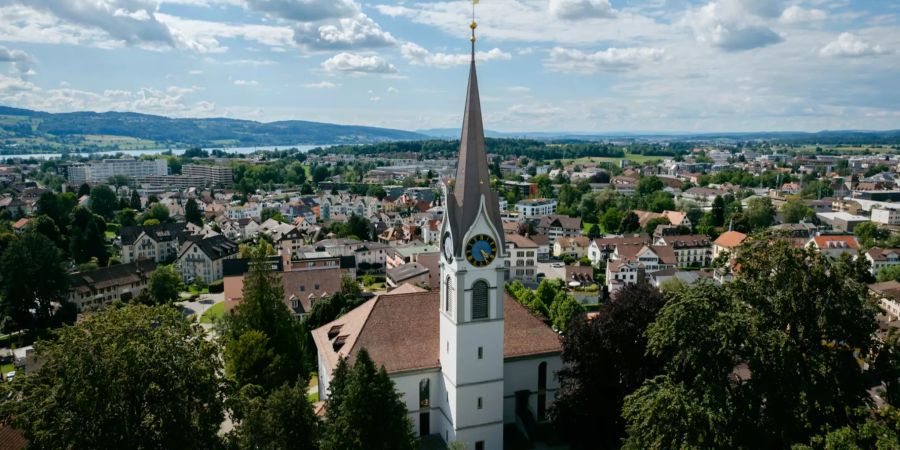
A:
{"points": [[480, 300], [448, 294]]}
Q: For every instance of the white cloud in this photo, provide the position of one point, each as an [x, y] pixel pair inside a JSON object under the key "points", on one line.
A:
{"points": [[305, 10], [357, 32], [169, 102], [204, 36], [518, 89], [195, 72], [20, 60], [850, 45], [798, 14], [609, 60], [357, 63], [393, 90], [245, 82], [418, 55], [321, 85], [132, 22], [735, 25], [580, 9]]}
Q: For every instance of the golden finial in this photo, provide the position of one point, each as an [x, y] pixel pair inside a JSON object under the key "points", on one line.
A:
{"points": [[474, 24]]}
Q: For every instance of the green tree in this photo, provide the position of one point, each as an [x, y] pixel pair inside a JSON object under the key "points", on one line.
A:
{"points": [[135, 201], [765, 361], [283, 419], [630, 223], [192, 213], [119, 181], [103, 201], [611, 220], [271, 213], [869, 234], [377, 191], [164, 285], [131, 377], [45, 225], [793, 211], [84, 189], [651, 225], [158, 212], [126, 217], [87, 237], [605, 360], [718, 211], [269, 326], [649, 185], [759, 213], [889, 273], [357, 396], [33, 279], [57, 207]]}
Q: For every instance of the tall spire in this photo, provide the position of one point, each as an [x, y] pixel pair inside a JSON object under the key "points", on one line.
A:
{"points": [[473, 179]]}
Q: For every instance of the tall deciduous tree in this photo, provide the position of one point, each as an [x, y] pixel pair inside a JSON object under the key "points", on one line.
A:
{"points": [[131, 377], [605, 360], [87, 237], [164, 284], [364, 411], [281, 420], [33, 278], [262, 325], [766, 361], [630, 223], [192, 212], [104, 201]]}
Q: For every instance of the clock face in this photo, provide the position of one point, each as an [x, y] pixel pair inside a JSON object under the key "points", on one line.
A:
{"points": [[448, 247], [481, 250]]}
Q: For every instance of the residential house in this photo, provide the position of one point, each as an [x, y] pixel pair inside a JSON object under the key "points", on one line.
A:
{"points": [[94, 289], [880, 258], [835, 245], [691, 249], [202, 258], [159, 243], [629, 263], [728, 242], [601, 249], [412, 273], [675, 218], [557, 226], [575, 247], [888, 294], [536, 207], [522, 259]]}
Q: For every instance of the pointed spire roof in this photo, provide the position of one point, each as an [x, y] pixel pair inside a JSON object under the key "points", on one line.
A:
{"points": [[473, 178]]}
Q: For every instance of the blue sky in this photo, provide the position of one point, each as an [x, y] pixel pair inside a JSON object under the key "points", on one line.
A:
{"points": [[544, 65]]}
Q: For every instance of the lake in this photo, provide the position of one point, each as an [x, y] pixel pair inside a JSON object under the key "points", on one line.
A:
{"points": [[139, 153]]}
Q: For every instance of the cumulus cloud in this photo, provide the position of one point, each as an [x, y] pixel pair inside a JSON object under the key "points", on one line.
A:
{"points": [[169, 102], [736, 25], [133, 22], [798, 14], [358, 32], [20, 60], [321, 85], [306, 10], [850, 45], [609, 60], [418, 55], [357, 63], [580, 9]]}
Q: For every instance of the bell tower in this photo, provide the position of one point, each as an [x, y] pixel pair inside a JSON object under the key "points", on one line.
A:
{"points": [[473, 270]]}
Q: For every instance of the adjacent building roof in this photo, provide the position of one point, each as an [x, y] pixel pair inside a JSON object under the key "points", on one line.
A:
{"points": [[564, 222], [215, 247], [686, 241], [410, 322], [730, 239], [879, 254], [163, 232], [835, 241], [406, 272], [520, 241], [111, 276]]}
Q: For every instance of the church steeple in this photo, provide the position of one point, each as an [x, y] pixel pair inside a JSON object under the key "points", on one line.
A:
{"points": [[473, 178]]}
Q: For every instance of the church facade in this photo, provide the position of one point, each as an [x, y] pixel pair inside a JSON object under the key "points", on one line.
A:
{"points": [[467, 359]]}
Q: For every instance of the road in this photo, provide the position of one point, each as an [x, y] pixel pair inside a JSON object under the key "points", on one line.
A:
{"points": [[198, 307]]}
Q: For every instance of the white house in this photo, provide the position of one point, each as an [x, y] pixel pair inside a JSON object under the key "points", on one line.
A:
{"points": [[467, 358], [522, 260], [879, 258], [886, 216], [689, 249], [202, 259], [835, 245], [536, 207]]}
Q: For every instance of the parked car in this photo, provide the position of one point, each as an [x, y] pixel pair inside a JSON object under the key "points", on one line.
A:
{"points": [[10, 375]]}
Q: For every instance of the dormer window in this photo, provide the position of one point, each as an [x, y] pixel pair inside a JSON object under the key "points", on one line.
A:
{"points": [[333, 331]]}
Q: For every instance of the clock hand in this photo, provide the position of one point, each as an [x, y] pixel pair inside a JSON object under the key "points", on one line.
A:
{"points": [[485, 255]]}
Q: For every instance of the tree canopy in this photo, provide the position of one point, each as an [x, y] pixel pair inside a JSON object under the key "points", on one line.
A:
{"points": [[131, 377]]}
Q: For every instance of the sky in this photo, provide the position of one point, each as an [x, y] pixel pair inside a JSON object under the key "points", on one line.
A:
{"points": [[589, 66]]}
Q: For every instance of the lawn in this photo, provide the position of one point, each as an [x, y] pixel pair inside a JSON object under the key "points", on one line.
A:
{"points": [[629, 156], [214, 313]]}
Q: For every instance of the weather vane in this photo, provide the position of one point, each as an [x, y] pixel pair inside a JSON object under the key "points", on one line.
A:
{"points": [[474, 24]]}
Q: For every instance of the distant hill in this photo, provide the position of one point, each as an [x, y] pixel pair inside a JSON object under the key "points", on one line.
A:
{"points": [[24, 128], [848, 137]]}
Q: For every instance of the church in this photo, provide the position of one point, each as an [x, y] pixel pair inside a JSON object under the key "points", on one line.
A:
{"points": [[468, 359]]}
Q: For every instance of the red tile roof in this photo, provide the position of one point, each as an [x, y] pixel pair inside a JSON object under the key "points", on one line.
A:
{"points": [[730, 239], [824, 242], [402, 332]]}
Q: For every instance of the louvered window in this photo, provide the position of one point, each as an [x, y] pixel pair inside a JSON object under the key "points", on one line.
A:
{"points": [[479, 300]]}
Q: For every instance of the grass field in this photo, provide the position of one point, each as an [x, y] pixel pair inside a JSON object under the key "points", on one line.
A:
{"points": [[629, 156], [213, 314]]}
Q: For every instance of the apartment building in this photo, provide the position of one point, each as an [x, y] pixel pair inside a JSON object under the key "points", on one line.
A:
{"points": [[101, 171], [536, 208], [211, 175]]}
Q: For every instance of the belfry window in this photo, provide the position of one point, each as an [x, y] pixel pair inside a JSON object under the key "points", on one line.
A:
{"points": [[479, 300]]}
